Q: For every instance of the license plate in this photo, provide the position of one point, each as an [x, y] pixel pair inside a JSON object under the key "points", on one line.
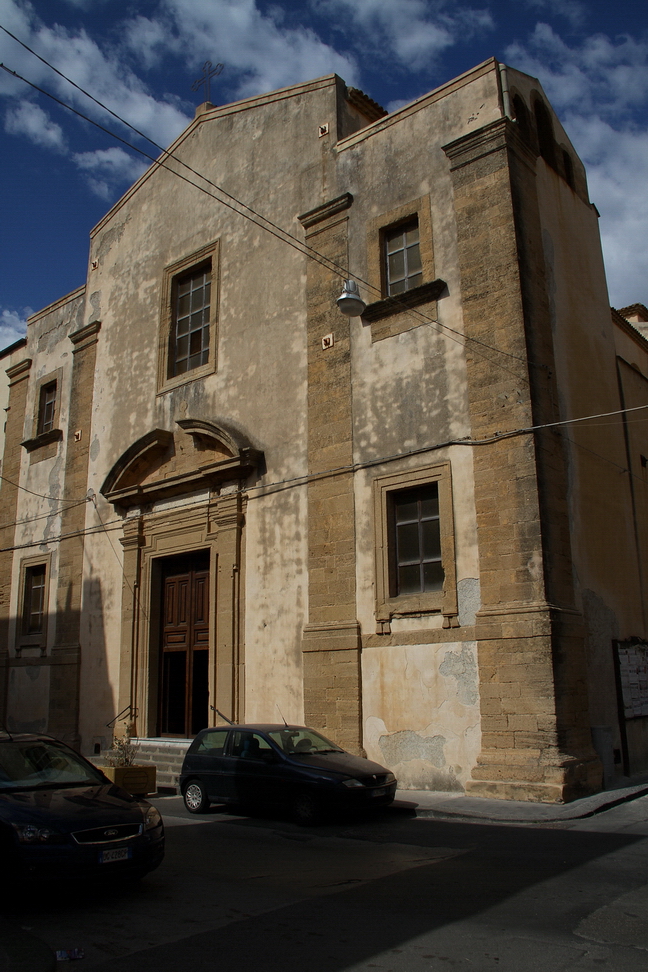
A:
{"points": [[380, 792], [117, 854]]}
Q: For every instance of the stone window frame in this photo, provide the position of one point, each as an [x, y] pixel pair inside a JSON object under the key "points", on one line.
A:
{"points": [[389, 605], [37, 639], [390, 315], [209, 253], [50, 438]]}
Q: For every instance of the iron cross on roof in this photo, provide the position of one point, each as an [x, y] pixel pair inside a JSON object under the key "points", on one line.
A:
{"points": [[209, 72]]}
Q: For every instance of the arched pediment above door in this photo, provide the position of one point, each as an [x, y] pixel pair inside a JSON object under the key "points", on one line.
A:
{"points": [[196, 456]]}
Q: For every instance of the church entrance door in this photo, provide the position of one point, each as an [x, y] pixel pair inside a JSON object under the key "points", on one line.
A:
{"points": [[184, 676]]}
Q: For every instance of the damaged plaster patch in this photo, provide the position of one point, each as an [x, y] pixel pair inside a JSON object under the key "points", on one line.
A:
{"points": [[399, 747], [95, 306], [534, 566], [469, 598], [462, 667]]}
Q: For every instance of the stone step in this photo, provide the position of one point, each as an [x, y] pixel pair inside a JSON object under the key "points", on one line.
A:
{"points": [[167, 754]]}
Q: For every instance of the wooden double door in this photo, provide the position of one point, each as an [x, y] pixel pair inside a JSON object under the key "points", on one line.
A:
{"points": [[184, 675]]}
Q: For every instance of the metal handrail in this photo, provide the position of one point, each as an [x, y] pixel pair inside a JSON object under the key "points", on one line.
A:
{"points": [[132, 713]]}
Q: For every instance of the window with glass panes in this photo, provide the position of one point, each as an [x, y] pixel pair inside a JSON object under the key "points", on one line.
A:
{"points": [[403, 269], [47, 407], [191, 314], [417, 565], [34, 600]]}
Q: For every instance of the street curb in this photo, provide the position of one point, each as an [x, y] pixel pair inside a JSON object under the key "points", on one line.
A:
{"points": [[22, 952], [495, 811]]}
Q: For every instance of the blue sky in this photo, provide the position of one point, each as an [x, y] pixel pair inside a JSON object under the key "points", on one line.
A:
{"points": [[140, 57]]}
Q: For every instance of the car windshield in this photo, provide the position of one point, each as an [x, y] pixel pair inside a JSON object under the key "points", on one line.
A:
{"points": [[300, 742], [42, 762]]}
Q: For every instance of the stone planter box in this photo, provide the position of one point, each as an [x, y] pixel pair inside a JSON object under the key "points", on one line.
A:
{"points": [[137, 779]]}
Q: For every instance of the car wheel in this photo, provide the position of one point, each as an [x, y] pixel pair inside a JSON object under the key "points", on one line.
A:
{"points": [[306, 810], [195, 797]]}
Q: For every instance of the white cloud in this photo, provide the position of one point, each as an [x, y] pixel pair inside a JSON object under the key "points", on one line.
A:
{"points": [[13, 325], [572, 10], [260, 53], [600, 75], [107, 170], [392, 106], [104, 72], [85, 4], [617, 170], [597, 87], [30, 120], [415, 32]]}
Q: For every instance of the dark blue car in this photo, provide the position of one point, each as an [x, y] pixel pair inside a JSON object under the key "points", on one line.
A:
{"points": [[61, 817], [286, 767]]}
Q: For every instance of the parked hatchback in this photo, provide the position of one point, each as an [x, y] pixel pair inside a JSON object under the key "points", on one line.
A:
{"points": [[287, 767], [60, 816]]}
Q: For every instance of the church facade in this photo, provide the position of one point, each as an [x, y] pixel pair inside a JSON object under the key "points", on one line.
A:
{"points": [[221, 493]]}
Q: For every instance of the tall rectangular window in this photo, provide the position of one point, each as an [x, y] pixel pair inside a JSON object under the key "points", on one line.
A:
{"points": [[33, 615], [46, 408], [190, 321], [417, 563], [403, 269], [415, 548]]}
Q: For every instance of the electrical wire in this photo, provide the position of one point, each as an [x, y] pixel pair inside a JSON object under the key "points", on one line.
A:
{"points": [[58, 499], [42, 516], [285, 237], [63, 536], [303, 248], [267, 488]]}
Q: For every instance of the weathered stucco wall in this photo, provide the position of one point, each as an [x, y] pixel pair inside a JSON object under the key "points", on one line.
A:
{"points": [[537, 526], [421, 712]]}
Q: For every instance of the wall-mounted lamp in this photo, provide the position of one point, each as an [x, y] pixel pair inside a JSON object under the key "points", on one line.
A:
{"points": [[350, 302]]}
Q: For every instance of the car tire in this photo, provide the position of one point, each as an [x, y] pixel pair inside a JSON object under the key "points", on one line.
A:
{"points": [[195, 797], [306, 810]]}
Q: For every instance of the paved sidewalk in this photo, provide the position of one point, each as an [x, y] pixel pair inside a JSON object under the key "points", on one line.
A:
{"points": [[22, 952], [427, 803]]}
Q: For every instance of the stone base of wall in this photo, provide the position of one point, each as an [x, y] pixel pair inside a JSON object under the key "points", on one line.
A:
{"points": [[573, 779], [332, 682]]}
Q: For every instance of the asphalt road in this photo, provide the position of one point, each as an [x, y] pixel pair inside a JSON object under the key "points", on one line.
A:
{"points": [[395, 893]]}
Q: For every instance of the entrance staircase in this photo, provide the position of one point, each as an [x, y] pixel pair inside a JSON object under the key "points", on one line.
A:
{"points": [[167, 754]]}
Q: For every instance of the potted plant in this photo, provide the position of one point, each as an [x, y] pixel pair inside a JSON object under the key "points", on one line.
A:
{"points": [[136, 778]]}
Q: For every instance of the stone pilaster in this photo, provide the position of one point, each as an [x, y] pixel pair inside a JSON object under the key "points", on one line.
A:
{"points": [[66, 653], [226, 519], [535, 723], [331, 639], [129, 700], [18, 384]]}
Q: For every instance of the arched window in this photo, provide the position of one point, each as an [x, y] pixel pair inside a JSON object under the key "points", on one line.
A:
{"points": [[545, 133], [568, 166], [521, 113]]}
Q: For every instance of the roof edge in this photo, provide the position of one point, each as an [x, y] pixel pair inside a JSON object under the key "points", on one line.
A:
{"points": [[630, 329], [281, 94], [491, 64], [56, 303]]}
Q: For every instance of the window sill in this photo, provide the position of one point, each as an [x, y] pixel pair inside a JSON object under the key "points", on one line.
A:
{"points": [[45, 438], [169, 384], [431, 602], [424, 294]]}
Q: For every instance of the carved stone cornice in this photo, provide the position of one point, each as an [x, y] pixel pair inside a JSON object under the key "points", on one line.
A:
{"points": [[19, 371], [424, 294], [86, 336], [326, 210], [496, 137]]}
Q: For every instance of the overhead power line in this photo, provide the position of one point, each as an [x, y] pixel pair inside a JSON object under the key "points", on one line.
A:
{"points": [[265, 488], [248, 212]]}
